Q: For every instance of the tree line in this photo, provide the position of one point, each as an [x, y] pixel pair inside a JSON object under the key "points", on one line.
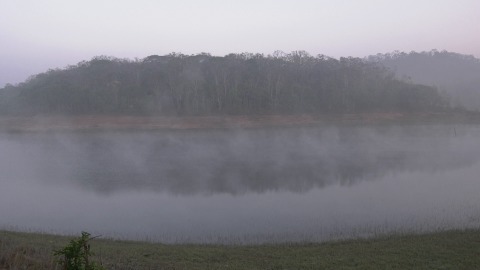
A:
{"points": [[246, 83], [455, 75]]}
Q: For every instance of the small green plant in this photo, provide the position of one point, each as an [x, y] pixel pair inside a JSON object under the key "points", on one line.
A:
{"points": [[76, 255]]}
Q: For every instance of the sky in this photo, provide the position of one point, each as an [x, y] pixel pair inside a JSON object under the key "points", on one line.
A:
{"points": [[37, 35]]}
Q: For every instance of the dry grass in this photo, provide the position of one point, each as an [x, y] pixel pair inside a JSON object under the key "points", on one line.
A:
{"points": [[102, 122]]}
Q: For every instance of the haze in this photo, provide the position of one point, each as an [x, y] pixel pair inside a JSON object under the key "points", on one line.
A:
{"points": [[38, 35], [243, 186]]}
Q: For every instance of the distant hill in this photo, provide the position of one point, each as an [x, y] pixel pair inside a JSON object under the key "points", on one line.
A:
{"points": [[455, 74], [202, 84]]}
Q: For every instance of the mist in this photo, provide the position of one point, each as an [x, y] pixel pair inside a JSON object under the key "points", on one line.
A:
{"points": [[242, 186], [52, 34], [456, 76], [239, 122]]}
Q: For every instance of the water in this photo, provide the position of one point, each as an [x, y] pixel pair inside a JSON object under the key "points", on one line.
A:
{"points": [[243, 187]]}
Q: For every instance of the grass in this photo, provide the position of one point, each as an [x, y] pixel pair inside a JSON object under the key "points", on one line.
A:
{"points": [[443, 250]]}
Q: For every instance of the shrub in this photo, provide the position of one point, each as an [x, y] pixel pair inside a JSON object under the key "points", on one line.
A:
{"points": [[76, 255]]}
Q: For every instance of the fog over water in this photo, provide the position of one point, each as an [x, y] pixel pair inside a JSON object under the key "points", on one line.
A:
{"points": [[243, 186]]}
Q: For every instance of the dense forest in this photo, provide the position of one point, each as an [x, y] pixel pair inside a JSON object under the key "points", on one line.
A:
{"points": [[178, 84], [457, 76]]}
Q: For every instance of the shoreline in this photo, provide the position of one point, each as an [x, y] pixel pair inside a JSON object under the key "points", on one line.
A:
{"points": [[159, 123]]}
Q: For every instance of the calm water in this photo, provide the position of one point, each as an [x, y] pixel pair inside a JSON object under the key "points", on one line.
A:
{"points": [[250, 186]]}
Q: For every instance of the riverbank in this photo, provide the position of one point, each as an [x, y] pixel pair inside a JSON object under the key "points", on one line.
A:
{"points": [[103, 122], [442, 250]]}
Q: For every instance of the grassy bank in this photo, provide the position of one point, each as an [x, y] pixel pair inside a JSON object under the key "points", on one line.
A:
{"points": [[146, 123], [445, 250]]}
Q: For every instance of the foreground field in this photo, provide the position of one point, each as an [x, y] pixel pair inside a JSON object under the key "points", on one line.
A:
{"points": [[445, 250]]}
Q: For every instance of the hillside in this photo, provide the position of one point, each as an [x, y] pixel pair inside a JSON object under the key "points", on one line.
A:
{"points": [[238, 84], [456, 75]]}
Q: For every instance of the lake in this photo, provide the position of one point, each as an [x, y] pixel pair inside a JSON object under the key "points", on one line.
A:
{"points": [[243, 186]]}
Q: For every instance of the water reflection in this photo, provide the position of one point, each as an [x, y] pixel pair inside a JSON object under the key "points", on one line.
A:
{"points": [[235, 162], [250, 186]]}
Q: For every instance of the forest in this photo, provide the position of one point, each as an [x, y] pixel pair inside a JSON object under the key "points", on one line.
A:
{"points": [[202, 84], [456, 76]]}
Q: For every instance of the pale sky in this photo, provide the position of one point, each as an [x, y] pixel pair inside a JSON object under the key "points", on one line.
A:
{"points": [[36, 35]]}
